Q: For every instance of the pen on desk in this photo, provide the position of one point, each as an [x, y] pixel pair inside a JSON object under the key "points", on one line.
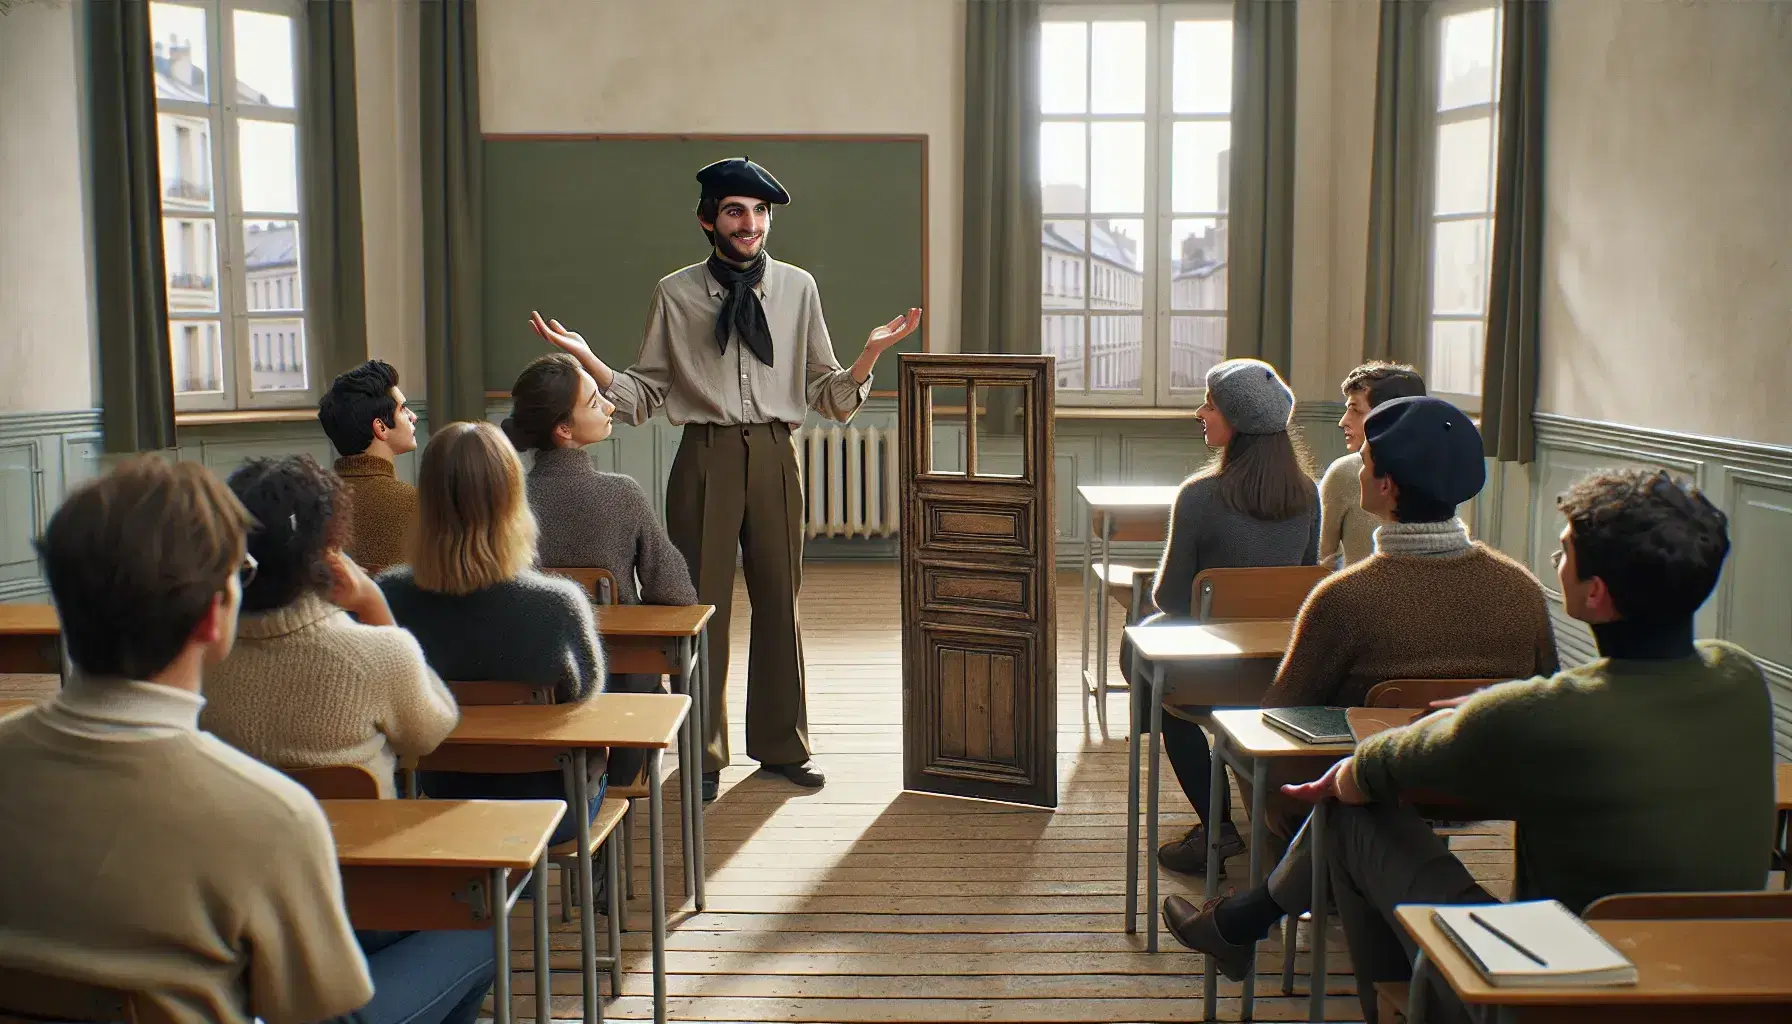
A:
{"points": [[1507, 939]]}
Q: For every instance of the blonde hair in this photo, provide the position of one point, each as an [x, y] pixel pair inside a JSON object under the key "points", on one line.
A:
{"points": [[474, 528]]}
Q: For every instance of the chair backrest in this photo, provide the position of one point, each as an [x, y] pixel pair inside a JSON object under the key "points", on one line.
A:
{"points": [[28, 997], [491, 692], [1678, 906], [1260, 592], [1419, 693], [338, 782], [599, 583]]}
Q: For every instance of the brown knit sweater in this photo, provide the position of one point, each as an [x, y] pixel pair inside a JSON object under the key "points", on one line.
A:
{"points": [[308, 687], [385, 507], [1469, 616]]}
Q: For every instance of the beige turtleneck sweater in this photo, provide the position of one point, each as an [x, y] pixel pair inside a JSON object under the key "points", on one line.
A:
{"points": [[306, 687]]}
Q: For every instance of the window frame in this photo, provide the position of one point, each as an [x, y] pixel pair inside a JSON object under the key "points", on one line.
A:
{"points": [[1155, 316], [224, 113], [1468, 402]]}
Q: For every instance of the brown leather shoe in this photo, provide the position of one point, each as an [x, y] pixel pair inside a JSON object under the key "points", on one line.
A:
{"points": [[1188, 855], [1196, 930], [806, 774]]}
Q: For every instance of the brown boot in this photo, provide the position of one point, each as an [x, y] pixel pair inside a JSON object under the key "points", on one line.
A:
{"points": [[1196, 930]]}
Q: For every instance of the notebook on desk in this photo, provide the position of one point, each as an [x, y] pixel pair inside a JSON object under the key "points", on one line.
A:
{"points": [[1310, 725], [1538, 944]]}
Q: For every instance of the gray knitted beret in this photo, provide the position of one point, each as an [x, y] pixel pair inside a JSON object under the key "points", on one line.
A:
{"points": [[1251, 395]]}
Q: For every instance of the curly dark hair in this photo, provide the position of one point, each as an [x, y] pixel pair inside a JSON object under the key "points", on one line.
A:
{"points": [[355, 398], [1657, 542], [301, 512]]}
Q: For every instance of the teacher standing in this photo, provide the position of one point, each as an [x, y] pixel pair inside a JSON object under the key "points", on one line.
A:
{"points": [[737, 352]]}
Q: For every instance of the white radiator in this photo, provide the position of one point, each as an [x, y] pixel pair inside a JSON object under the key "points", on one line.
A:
{"points": [[851, 480]]}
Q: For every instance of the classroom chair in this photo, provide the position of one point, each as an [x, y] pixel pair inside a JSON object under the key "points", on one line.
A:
{"points": [[28, 997], [1257, 592], [597, 582], [1128, 586], [337, 782]]}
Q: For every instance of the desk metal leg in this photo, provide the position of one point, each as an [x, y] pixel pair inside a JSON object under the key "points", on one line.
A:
{"points": [[581, 784], [1089, 597], [1132, 797], [656, 860], [1259, 836], [1216, 795], [1316, 972], [699, 695], [1101, 620], [689, 764], [538, 884], [497, 900], [1157, 728], [614, 875], [1418, 990]]}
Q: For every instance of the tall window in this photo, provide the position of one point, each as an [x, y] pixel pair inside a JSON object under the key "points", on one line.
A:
{"points": [[1134, 139], [227, 95], [1468, 91]]}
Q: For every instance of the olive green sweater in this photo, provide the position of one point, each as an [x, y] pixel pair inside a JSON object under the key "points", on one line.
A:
{"points": [[1624, 775]]}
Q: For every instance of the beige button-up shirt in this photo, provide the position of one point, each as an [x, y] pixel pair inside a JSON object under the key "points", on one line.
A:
{"points": [[683, 368]]}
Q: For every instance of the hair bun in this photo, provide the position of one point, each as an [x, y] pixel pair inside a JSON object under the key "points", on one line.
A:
{"points": [[510, 431]]}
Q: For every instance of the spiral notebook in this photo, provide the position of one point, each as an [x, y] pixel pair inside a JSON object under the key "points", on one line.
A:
{"points": [[1537, 944]]}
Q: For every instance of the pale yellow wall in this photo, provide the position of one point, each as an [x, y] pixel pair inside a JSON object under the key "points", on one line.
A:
{"points": [[386, 101], [1668, 267], [1355, 30], [46, 362], [709, 66]]}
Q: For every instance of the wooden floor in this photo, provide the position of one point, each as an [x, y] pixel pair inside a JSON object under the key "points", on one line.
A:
{"points": [[864, 903]]}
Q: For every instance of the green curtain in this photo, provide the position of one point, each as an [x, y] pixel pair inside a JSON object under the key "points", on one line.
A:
{"points": [[1002, 220], [1509, 391], [136, 374], [335, 288], [452, 215], [1400, 187], [1260, 263]]}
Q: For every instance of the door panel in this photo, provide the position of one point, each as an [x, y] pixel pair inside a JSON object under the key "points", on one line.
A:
{"points": [[979, 657]]}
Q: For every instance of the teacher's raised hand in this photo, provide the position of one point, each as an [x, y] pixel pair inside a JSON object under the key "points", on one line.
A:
{"points": [[570, 342]]}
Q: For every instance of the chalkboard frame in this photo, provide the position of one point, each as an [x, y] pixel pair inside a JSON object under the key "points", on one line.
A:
{"points": [[749, 139]]}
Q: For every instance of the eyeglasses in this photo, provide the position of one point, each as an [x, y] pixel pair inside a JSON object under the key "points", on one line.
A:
{"points": [[246, 574]]}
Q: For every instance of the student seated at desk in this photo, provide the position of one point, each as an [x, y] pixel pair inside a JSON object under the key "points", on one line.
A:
{"points": [[142, 854], [1429, 604], [1346, 528], [369, 423], [1255, 504], [307, 686], [590, 519], [1650, 769], [481, 611]]}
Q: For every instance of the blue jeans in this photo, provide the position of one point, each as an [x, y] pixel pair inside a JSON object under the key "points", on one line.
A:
{"points": [[522, 786], [425, 977]]}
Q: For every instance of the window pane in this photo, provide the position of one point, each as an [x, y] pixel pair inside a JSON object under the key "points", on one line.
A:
{"points": [[1459, 257], [190, 257], [1457, 353], [1117, 167], [198, 356], [1198, 264], [1062, 264], [277, 355], [1117, 71], [1200, 165], [184, 147], [1064, 67], [263, 58], [1464, 172], [1062, 336], [1063, 166], [1202, 80], [1465, 73], [271, 265], [1196, 344], [1117, 264], [179, 52], [1116, 353], [267, 152]]}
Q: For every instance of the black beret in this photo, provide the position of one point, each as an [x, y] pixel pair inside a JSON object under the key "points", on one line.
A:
{"points": [[1427, 445], [739, 176]]}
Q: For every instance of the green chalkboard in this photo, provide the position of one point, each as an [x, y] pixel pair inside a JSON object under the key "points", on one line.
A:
{"points": [[581, 228]]}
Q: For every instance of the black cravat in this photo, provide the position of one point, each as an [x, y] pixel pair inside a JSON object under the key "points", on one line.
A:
{"points": [[741, 311]]}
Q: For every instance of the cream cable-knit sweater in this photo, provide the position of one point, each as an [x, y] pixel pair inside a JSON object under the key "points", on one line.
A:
{"points": [[307, 686]]}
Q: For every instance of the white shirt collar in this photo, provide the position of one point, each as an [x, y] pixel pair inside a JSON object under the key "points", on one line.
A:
{"points": [[114, 708]]}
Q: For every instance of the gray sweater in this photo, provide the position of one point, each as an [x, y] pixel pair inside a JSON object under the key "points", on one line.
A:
{"points": [[599, 520], [1206, 533], [531, 629]]}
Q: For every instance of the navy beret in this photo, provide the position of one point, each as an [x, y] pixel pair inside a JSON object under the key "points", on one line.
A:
{"points": [[1427, 445], [739, 176]]}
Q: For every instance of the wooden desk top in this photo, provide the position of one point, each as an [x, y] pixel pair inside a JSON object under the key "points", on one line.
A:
{"points": [[1686, 961], [1257, 638], [617, 621], [29, 620], [640, 720], [1250, 736], [442, 833], [1784, 786], [1126, 498]]}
